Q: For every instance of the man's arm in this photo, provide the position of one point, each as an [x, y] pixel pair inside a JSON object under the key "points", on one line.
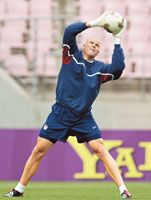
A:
{"points": [[69, 40], [115, 69], [117, 65], [70, 33]]}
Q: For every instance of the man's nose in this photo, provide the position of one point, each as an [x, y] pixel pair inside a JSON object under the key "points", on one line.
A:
{"points": [[93, 45]]}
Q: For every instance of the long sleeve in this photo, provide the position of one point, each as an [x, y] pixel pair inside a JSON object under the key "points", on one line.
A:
{"points": [[70, 33], [117, 65]]}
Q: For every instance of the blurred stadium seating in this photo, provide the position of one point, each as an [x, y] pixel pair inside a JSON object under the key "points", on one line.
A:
{"points": [[30, 37]]}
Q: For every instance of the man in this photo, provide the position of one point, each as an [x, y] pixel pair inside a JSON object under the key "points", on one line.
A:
{"points": [[78, 85]]}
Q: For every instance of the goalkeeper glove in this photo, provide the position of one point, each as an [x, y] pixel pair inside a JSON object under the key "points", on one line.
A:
{"points": [[117, 36], [98, 22]]}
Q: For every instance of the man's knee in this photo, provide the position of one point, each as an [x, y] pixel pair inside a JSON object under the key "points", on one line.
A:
{"points": [[99, 148], [39, 151]]}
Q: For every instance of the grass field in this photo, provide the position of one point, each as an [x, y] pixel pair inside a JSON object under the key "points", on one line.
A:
{"points": [[78, 190]]}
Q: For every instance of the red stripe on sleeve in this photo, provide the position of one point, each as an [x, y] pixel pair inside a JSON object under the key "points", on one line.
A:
{"points": [[66, 57], [105, 78]]}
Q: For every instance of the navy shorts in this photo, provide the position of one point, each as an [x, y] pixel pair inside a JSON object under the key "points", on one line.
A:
{"points": [[62, 123]]}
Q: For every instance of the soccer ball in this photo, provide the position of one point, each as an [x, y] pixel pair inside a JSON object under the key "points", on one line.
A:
{"points": [[113, 22]]}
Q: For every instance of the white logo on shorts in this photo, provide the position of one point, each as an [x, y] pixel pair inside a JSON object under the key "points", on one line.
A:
{"points": [[45, 127], [94, 127]]}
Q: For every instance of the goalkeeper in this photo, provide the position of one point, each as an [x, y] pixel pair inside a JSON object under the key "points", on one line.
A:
{"points": [[78, 85]]}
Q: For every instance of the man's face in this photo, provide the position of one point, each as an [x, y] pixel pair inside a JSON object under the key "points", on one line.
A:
{"points": [[91, 48]]}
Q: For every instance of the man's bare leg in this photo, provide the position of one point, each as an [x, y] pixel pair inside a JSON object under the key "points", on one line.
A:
{"points": [[34, 160], [31, 166], [110, 165]]}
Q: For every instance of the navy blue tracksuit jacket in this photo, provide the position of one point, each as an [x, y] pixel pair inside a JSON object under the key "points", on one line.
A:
{"points": [[79, 81]]}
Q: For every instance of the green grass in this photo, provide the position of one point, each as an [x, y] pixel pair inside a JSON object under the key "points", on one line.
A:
{"points": [[78, 190]]}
